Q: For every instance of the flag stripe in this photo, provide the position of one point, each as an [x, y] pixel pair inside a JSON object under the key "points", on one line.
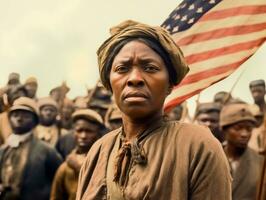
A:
{"points": [[220, 33], [236, 11], [207, 73], [219, 43], [224, 50], [189, 88], [205, 26], [219, 61]]}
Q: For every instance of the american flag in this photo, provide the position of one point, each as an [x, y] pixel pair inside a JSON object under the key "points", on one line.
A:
{"points": [[216, 36]]}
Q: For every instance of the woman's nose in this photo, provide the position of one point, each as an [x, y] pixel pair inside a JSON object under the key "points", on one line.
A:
{"points": [[135, 78]]}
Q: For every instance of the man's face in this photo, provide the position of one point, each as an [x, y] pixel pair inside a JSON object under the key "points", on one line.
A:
{"points": [[139, 81], [31, 89], [239, 133], [21, 121], [258, 93], [48, 115], [86, 133], [210, 119]]}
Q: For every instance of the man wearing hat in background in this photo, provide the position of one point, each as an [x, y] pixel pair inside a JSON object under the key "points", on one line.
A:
{"points": [[237, 122], [257, 141], [87, 126], [12, 93], [27, 165], [48, 129], [31, 85], [208, 114], [113, 118], [257, 89]]}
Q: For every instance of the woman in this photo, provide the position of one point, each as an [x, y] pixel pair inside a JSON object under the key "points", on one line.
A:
{"points": [[150, 158]]}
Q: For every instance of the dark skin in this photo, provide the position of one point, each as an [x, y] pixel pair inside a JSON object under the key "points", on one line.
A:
{"points": [[48, 115], [237, 136], [86, 133], [140, 84], [258, 93], [32, 89], [22, 121]]}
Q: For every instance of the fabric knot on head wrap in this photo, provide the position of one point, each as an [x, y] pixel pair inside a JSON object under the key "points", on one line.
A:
{"points": [[155, 37]]}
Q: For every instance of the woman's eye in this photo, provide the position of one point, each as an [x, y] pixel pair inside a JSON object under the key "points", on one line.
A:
{"points": [[150, 68], [121, 69]]}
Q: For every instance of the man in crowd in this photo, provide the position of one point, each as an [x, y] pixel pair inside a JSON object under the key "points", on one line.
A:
{"points": [[237, 122], [257, 89], [48, 129], [258, 138], [27, 165], [87, 126], [208, 114], [31, 85], [13, 93]]}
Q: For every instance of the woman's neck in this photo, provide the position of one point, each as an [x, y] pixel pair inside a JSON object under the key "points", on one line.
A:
{"points": [[133, 127]]}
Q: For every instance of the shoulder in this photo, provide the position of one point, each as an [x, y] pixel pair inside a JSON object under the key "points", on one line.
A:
{"points": [[106, 141], [192, 132]]}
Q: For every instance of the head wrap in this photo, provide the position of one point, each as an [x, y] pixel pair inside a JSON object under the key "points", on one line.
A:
{"points": [[130, 30]]}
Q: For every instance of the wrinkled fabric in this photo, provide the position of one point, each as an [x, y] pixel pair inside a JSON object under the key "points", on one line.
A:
{"points": [[131, 29], [65, 182], [246, 176], [184, 161]]}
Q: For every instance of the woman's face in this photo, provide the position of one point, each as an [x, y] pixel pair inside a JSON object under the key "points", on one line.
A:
{"points": [[139, 81]]}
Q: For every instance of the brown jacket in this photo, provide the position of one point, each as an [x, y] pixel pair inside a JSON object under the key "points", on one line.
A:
{"points": [[246, 178], [184, 161], [65, 182]]}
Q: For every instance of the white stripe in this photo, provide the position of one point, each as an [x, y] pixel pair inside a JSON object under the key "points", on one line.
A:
{"points": [[186, 89], [220, 61], [225, 4], [206, 26], [219, 43]]}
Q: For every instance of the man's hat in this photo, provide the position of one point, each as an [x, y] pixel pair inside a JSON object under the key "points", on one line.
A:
{"points": [[88, 114], [233, 113], [31, 80], [208, 107], [259, 82], [47, 101], [27, 104]]}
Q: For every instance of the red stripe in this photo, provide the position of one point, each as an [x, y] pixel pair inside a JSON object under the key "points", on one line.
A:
{"points": [[211, 72], [180, 99], [241, 10], [194, 58], [220, 33]]}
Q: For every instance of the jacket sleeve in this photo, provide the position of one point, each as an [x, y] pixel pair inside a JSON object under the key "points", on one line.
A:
{"points": [[58, 191], [53, 161]]}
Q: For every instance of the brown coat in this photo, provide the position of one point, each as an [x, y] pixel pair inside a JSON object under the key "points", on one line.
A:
{"points": [[65, 182], [246, 178], [183, 162]]}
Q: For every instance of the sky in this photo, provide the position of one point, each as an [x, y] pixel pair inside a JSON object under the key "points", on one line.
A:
{"points": [[57, 40]]}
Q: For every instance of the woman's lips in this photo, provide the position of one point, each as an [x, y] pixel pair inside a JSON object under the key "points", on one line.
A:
{"points": [[135, 97]]}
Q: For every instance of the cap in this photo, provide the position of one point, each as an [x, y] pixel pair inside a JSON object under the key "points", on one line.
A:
{"points": [[255, 110], [88, 114], [254, 83], [25, 103], [47, 101], [208, 107], [233, 113], [31, 80]]}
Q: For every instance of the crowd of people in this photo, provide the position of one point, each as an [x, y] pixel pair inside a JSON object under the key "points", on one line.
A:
{"points": [[44, 141]]}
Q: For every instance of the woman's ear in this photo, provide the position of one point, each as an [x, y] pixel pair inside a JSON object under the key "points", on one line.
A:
{"points": [[169, 90]]}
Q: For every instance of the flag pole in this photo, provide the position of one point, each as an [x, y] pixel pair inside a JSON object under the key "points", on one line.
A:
{"points": [[234, 85]]}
